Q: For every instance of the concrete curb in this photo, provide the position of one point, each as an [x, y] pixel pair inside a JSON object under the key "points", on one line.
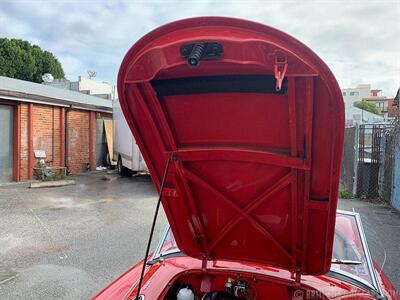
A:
{"points": [[43, 184], [16, 184]]}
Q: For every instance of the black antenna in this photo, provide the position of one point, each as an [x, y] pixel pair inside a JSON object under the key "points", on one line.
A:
{"points": [[91, 74], [152, 231]]}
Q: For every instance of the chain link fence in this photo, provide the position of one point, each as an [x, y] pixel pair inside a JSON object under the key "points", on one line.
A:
{"points": [[368, 160], [348, 172]]}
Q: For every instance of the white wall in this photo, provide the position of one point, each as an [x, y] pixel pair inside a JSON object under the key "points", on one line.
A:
{"points": [[351, 95], [96, 87]]}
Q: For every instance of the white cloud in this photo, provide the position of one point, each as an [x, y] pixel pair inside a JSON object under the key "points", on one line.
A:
{"points": [[72, 64], [357, 39]]}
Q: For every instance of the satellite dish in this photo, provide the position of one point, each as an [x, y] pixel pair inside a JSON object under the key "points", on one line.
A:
{"points": [[91, 74], [47, 77]]}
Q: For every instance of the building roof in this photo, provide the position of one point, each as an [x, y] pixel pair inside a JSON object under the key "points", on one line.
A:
{"points": [[25, 91], [376, 98], [357, 115]]}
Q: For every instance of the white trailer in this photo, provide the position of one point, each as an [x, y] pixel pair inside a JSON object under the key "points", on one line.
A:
{"points": [[125, 150]]}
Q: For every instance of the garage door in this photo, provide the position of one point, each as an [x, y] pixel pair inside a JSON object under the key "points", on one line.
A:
{"points": [[6, 143]]}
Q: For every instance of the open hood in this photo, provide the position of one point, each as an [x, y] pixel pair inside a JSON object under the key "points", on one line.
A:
{"points": [[253, 121]]}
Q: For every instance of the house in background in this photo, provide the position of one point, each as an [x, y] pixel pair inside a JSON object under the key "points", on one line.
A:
{"points": [[65, 125], [86, 86], [363, 92], [351, 95], [382, 102]]}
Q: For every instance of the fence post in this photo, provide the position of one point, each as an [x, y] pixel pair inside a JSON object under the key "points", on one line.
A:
{"points": [[355, 162]]}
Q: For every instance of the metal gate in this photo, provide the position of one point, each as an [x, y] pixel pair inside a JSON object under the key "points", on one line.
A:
{"points": [[370, 159]]}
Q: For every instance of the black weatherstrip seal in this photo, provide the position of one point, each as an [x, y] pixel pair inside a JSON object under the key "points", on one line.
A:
{"points": [[260, 84]]}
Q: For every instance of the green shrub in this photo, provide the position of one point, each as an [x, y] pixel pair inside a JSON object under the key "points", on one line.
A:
{"points": [[365, 105], [54, 177], [345, 194]]}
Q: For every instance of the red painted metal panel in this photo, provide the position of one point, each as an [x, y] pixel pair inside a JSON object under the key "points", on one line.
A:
{"points": [[8, 102], [160, 275], [30, 141], [17, 143], [62, 136], [92, 157], [256, 171]]}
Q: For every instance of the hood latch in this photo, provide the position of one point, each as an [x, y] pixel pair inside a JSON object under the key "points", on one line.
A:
{"points": [[280, 68]]}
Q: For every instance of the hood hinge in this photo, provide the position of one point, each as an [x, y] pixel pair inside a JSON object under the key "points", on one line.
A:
{"points": [[204, 263], [297, 277]]}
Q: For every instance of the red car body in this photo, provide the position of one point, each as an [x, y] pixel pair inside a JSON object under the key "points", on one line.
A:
{"points": [[159, 275], [251, 122]]}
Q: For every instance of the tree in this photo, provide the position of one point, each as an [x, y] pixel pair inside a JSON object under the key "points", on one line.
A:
{"points": [[368, 106], [22, 60]]}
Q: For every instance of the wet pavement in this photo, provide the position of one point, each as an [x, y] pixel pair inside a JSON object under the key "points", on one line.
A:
{"points": [[381, 225], [70, 242]]}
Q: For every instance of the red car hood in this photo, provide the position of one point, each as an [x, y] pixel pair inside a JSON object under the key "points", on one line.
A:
{"points": [[255, 133]]}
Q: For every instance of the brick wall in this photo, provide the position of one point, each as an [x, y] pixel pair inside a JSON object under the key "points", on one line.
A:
{"points": [[46, 135], [78, 140]]}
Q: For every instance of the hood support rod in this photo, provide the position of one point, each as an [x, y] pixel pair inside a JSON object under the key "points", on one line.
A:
{"points": [[152, 230]]}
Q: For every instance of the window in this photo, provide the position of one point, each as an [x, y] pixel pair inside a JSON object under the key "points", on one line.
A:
{"points": [[350, 255], [348, 247], [169, 243], [344, 93], [354, 93], [380, 104]]}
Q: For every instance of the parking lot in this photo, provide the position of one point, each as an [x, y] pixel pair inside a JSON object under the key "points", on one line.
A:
{"points": [[69, 242]]}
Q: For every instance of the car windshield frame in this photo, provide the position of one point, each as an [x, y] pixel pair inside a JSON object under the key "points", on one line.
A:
{"points": [[374, 284], [334, 272]]}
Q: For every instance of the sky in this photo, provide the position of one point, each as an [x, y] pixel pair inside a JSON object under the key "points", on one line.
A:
{"points": [[359, 40]]}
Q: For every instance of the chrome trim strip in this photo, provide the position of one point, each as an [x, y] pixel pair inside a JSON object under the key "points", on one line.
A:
{"points": [[158, 249], [354, 277], [368, 255], [375, 284], [346, 212]]}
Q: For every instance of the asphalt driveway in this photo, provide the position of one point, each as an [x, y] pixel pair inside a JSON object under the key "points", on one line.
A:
{"points": [[69, 242], [382, 228]]}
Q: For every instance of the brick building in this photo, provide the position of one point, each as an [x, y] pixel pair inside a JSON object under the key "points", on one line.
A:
{"points": [[393, 110], [65, 124]]}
